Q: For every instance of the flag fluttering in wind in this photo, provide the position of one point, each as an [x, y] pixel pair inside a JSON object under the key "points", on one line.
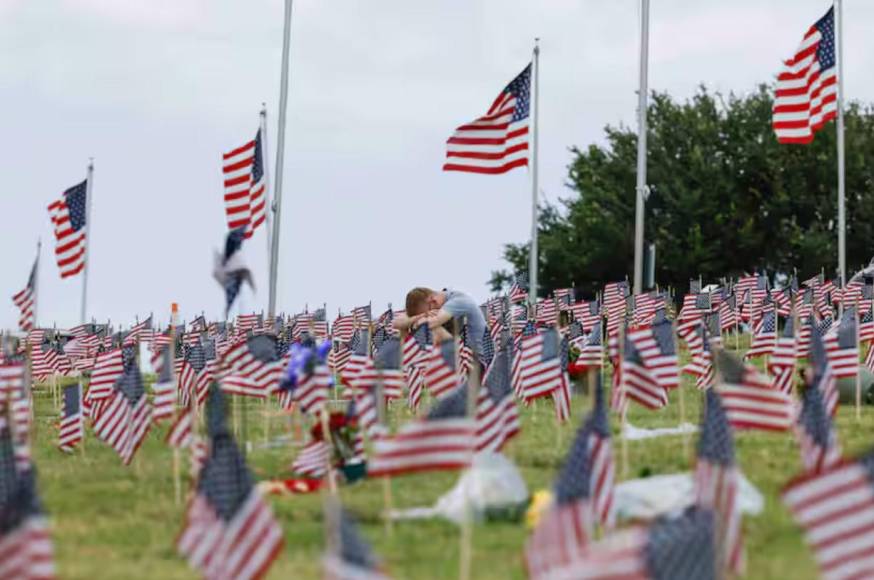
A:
{"points": [[498, 141], [807, 87], [127, 414], [229, 270], [253, 367], [245, 186], [68, 215], [229, 530], [749, 399], [443, 440], [782, 361], [25, 300], [834, 508], [497, 419], [818, 442]]}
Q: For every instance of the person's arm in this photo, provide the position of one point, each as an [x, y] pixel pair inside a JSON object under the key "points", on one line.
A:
{"points": [[439, 319], [404, 322]]}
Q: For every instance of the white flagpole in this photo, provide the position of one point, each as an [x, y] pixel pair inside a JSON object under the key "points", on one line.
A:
{"points": [[842, 210], [36, 283], [89, 187], [268, 203], [535, 103], [280, 152], [642, 91]]}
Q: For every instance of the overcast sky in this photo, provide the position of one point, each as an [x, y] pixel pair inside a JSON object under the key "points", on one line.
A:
{"points": [[156, 91]]}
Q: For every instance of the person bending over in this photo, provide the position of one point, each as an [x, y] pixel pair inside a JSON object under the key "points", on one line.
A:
{"points": [[438, 309]]}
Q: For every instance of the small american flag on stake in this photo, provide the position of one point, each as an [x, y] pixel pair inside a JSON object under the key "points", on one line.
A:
{"points": [[68, 215], [26, 299], [72, 426]]}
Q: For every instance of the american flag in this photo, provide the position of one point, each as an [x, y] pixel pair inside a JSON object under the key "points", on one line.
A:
{"points": [[497, 419], [312, 461], [657, 348], [764, 336], [194, 374], [519, 288], [818, 442], [443, 440], [807, 88], [25, 300], [842, 347], [564, 297], [537, 368], [359, 358], [782, 361], [717, 481], [633, 380], [825, 377], [108, 367], [547, 313], [127, 416], [229, 530], [670, 548], [311, 389], [701, 365], [583, 497], [643, 309], [783, 300], [588, 313], [68, 215], [441, 374], [140, 331], [164, 387], [349, 557], [866, 321], [728, 313], [592, 350], [248, 322], [25, 543], [14, 398], [498, 141], [253, 367], [180, 434], [361, 316], [602, 470], [245, 186], [385, 371], [750, 401], [72, 426], [834, 508], [342, 328]]}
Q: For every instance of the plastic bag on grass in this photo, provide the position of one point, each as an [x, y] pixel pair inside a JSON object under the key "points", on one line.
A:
{"points": [[493, 487]]}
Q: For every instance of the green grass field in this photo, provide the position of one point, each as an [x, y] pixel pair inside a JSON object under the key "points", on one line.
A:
{"points": [[111, 521]]}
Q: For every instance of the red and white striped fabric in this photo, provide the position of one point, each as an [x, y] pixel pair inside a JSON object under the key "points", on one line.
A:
{"points": [[26, 551], [424, 445], [108, 366], [311, 392], [24, 301], [248, 376], [245, 186], [835, 508], [807, 88], [749, 400], [123, 425], [498, 141], [782, 362], [588, 313], [180, 434], [656, 346], [312, 460], [717, 487], [537, 368], [440, 375], [547, 313], [69, 215], [343, 328], [843, 355], [415, 386]]}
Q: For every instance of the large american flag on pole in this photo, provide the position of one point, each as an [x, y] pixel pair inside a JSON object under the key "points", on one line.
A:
{"points": [[68, 218], [245, 186], [498, 141], [807, 88], [25, 301]]}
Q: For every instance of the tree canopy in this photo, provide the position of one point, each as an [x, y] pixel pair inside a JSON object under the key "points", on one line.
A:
{"points": [[725, 198]]}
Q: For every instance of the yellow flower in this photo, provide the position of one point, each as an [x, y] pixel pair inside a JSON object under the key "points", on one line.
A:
{"points": [[540, 502]]}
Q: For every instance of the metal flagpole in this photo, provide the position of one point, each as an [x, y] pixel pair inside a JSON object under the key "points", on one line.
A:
{"points": [[280, 152], [842, 210], [535, 98], [266, 169], [640, 189], [36, 283], [89, 187]]}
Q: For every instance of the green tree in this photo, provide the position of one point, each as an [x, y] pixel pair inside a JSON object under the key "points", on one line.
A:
{"points": [[725, 198]]}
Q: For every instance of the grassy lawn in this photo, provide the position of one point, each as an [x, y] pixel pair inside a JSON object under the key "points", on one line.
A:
{"points": [[111, 521]]}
